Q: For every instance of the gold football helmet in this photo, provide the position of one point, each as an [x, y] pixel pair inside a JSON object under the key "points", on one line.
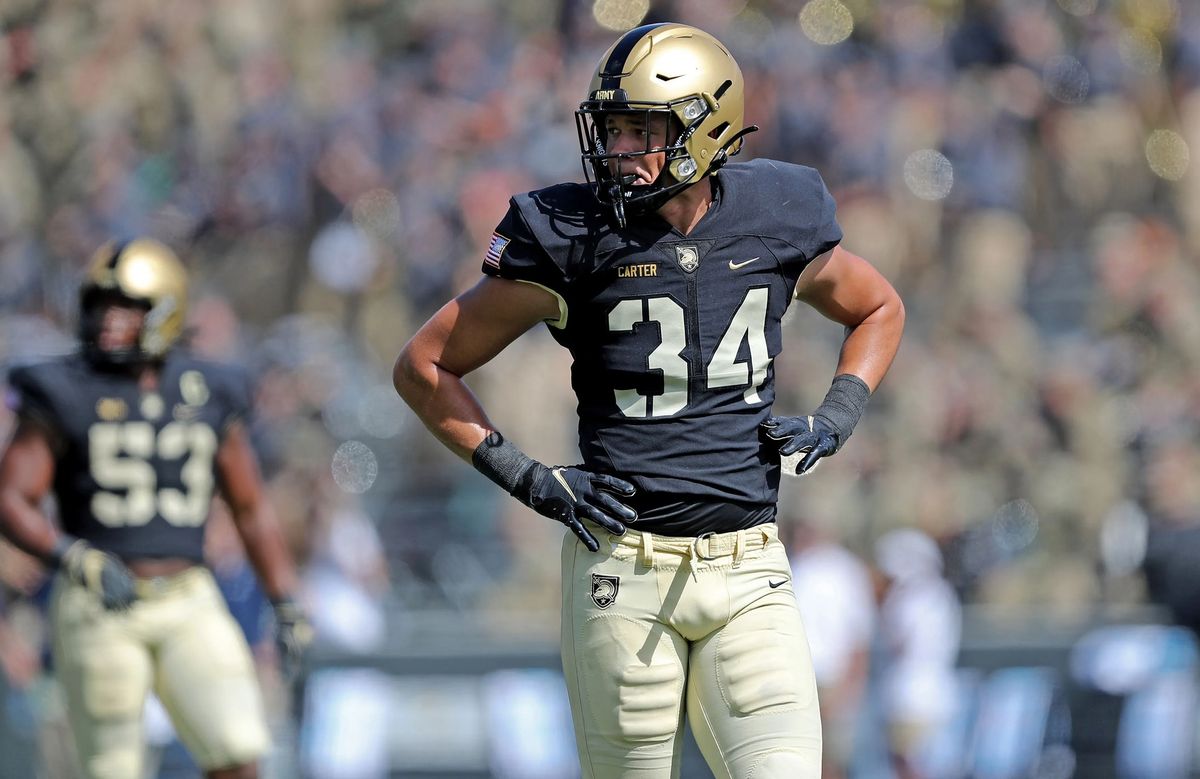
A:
{"points": [[677, 71], [142, 271]]}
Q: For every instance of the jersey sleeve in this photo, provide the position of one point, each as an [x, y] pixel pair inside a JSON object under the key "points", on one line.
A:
{"points": [[31, 397], [514, 253], [235, 390], [816, 226]]}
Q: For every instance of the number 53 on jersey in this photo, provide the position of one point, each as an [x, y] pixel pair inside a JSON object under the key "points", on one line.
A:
{"points": [[121, 457]]}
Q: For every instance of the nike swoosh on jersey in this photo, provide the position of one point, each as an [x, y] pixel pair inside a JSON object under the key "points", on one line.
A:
{"points": [[774, 585], [735, 265]]}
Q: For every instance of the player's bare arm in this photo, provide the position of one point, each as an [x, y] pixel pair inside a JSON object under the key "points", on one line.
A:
{"points": [[241, 486], [26, 477], [465, 334], [847, 289]]}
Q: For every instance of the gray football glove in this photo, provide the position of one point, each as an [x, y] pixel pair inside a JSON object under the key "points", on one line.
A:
{"points": [[99, 572], [293, 634]]}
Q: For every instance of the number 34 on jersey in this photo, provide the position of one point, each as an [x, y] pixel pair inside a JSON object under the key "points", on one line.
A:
{"points": [[724, 369]]}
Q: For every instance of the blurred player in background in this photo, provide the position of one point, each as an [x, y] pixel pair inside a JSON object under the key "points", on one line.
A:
{"points": [[920, 627], [837, 603], [132, 436], [667, 276]]}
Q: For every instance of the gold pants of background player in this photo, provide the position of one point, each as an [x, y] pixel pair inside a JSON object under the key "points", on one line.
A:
{"points": [[650, 622], [179, 640]]}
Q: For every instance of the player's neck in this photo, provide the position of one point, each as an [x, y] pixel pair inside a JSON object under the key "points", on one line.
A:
{"points": [[147, 377], [685, 210]]}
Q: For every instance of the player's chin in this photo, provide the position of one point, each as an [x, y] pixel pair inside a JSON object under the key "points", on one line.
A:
{"points": [[114, 343]]}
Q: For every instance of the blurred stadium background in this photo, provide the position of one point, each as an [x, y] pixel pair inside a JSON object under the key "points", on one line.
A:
{"points": [[330, 171]]}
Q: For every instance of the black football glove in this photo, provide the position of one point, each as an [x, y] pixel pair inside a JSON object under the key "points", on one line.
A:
{"points": [[99, 572], [564, 493], [807, 435], [293, 634], [567, 494]]}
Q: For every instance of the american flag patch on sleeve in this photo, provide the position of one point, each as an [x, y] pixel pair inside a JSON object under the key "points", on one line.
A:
{"points": [[495, 249]]}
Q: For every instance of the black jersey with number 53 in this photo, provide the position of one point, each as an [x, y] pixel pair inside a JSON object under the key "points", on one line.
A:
{"points": [[673, 336], [134, 471]]}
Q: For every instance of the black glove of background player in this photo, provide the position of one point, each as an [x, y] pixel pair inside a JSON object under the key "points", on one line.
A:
{"points": [[566, 494]]}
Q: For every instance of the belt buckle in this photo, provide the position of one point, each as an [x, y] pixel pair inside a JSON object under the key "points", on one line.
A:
{"points": [[707, 553]]}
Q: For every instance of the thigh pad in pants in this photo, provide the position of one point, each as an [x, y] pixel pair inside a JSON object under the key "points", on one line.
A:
{"points": [[633, 681], [208, 683]]}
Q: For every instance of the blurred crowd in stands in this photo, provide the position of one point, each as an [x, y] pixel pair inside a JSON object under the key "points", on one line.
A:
{"points": [[330, 170]]}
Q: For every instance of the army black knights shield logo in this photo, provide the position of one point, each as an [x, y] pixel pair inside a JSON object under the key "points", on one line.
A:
{"points": [[688, 256], [604, 589]]}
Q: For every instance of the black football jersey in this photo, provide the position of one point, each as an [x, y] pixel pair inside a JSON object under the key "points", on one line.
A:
{"points": [[673, 336], [135, 471]]}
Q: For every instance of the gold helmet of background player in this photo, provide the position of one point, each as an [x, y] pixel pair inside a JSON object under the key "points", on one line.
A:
{"points": [[143, 272], [676, 71]]}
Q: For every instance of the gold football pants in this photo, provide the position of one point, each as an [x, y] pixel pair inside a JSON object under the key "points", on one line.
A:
{"points": [[651, 622], [179, 640]]}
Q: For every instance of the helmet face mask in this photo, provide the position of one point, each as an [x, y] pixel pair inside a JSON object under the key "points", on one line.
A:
{"points": [[144, 274], [602, 167], [669, 71]]}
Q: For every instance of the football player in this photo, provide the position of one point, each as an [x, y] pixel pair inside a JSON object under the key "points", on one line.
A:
{"points": [[132, 436], [666, 276]]}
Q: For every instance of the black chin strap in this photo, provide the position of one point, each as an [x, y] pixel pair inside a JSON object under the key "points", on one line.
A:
{"points": [[616, 194], [616, 189]]}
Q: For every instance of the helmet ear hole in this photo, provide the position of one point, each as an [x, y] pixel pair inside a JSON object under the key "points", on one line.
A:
{"points": [[718, 131]]}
